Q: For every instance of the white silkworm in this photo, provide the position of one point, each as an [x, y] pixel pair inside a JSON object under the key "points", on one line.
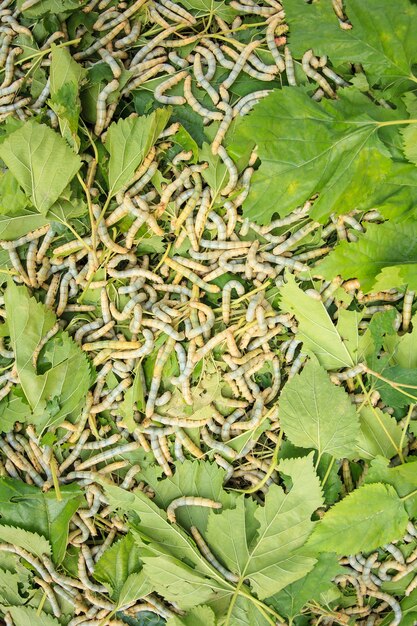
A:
{"points": [[240, 62], [407, 309], [189, 501], [202, 80], [209, 556], [226, 297], [195, 104], [289, 67], [101, 105], [168, 84], [314, 75]]}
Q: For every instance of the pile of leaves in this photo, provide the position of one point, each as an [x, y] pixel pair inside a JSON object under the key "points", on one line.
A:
{"points": [[208, 374]]}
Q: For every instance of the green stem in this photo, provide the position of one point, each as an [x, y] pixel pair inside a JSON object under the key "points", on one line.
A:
{"points": [[409, 495], [405, 428], [260, 604], [329, 469], [397, 122], [387, 433], [271, 468], [55, 479]]}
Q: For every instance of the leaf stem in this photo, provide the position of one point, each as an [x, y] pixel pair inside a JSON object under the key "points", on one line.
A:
{"points": [[397, 122], [329, 469], [387, 433], [271, 468], [405, 428], [55, 479], [409, 495]]}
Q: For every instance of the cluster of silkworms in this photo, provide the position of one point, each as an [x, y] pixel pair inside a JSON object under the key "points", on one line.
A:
{"points": [[367, 573]]}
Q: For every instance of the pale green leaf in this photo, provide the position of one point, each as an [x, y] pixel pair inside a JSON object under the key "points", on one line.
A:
{"points": [[12, 199], [128, 141], [315, 327], [272, 557], [31, 542], [41, 161], [198, 616], [315, 413], [367, 518], [331, 148], [24, 615], [116, 564], [403, 349], [14, 226], [136, 586], [68, 378], [29, 508], [64, 69], [402, 477], [215, 175], [292, 599], [381, 39], [11, 584], [379, 434], [381, 246], [191, 478]]}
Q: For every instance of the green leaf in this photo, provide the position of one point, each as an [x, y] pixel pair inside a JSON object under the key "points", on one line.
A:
{"points": [[12, 227], [41, 161], [66, 75], [384, 245], [46, 7], [199, 616], [394, 396], [210, 7], [315, 413], [306, 147], [68, 378], [117, 564], [402, 477], [11, 585], [31, 542], [136, 586], [133, 400], [271, 558], [29, 508], [402, 348], [379, 435], [64, 70], [409, 132], [12, 410], [215, 175], [315, 327], [381, 38], [191, 478], [128, 141], [24, 615], [292, 599], [367, 518], [12, 199]]}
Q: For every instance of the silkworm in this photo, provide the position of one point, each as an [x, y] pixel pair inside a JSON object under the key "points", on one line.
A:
{"points": [[209, 556], [195, 104], [51, 333], [100, 43], [203, 81], [190, 501], [314, 75], [101, 105], [168, 84], [240, 62]]}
